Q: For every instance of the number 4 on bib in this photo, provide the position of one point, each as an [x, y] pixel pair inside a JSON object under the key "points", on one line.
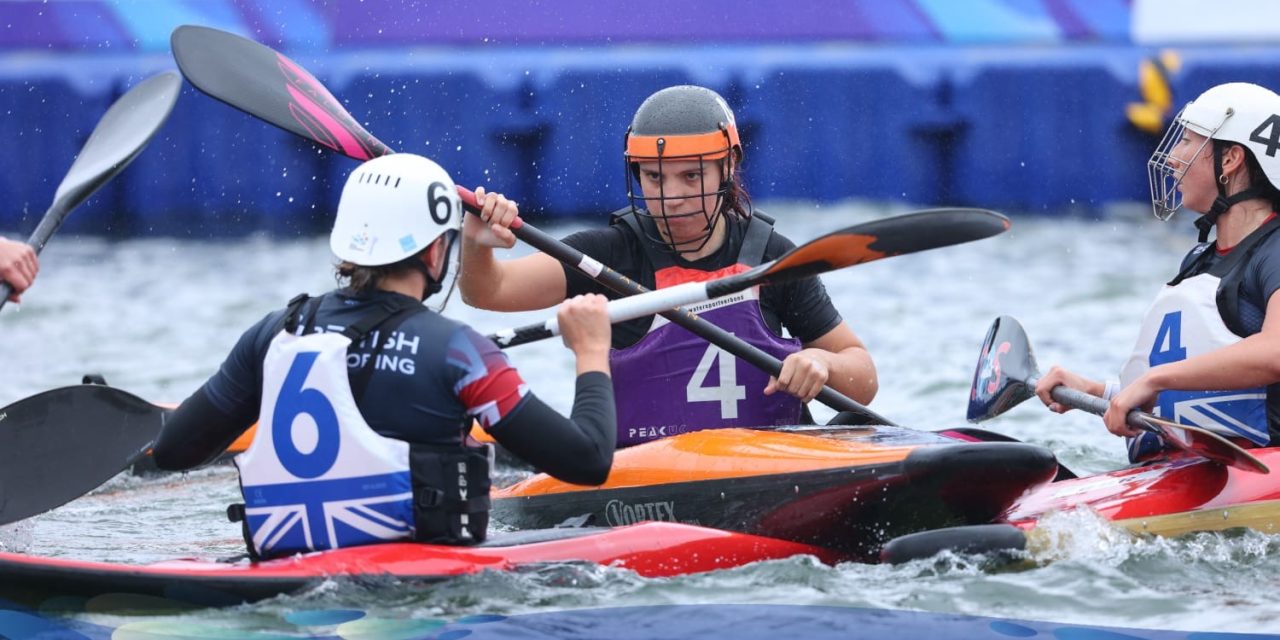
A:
{"points": [[1167, 346], [728, 394]]}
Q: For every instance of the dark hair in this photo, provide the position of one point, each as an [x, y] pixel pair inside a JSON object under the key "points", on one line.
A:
{"points": [[364, 279], [1253, 169], [736, 198]]}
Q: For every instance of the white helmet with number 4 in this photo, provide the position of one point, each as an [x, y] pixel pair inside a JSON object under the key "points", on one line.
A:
{"points": [[392, 208], [1238, 112]]}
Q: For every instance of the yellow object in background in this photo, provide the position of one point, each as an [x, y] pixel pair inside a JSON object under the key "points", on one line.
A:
{"points": [[1151, 114]]}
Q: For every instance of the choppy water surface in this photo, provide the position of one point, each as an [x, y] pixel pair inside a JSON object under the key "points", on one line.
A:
{"points": [[157, 316]]}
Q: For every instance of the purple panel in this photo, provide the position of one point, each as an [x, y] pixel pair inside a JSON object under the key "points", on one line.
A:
{"points": [[73, 24], [319, 25], [287, 24], [1071, 25], [266, 23], [27, 25], [899, 20], [512, 21], [1106, 19], [90, 25]]}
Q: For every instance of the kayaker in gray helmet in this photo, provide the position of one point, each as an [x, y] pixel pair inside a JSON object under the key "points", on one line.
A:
{"points": [[18, 266], [364, 397], [1208, 352], [689, 219]]}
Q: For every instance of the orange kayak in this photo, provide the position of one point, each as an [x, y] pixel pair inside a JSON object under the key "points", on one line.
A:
{"points": [[841, 488]]}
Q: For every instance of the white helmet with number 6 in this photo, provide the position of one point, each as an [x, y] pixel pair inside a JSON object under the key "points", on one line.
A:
{"points": [[392, 208], [1239, 112]]}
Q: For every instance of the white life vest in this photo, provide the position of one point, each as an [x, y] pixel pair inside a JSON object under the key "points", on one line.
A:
{"points": [[1182, 323], [316, 475]]}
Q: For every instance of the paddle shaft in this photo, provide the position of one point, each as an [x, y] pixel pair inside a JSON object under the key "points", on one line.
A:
{"points": [[712, 333], [1224, 450], [619, 310], [1136, 418], [1078, 399], [647, 303]]}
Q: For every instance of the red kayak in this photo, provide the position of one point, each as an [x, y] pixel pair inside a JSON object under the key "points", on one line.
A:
{"points": [[1179, 495], [1186, 491], [1169, 498], [653, 549]]}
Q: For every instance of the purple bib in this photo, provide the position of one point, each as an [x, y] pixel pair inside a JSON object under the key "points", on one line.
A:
{"points": [[673, 381]]}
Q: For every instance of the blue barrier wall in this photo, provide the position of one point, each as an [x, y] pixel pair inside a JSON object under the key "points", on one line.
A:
{"points": [[1015, 129]]}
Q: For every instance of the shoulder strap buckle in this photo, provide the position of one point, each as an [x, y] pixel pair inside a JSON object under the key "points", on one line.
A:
{"points": [[292, 314]]}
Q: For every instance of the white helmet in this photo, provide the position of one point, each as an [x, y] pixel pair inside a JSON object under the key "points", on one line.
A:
{"points": [[1239, 112], [393, 207]]}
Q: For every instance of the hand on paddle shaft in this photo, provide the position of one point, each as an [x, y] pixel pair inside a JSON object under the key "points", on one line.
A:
{"points": [[1058, 376], [261, 82], [1007, 374], [491, 226], [18, 266], [118, 138], [1116, 415], [584, 321]]}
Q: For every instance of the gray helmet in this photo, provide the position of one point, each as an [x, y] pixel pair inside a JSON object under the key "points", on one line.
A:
{"points": [[678, 124], [683, 122]]}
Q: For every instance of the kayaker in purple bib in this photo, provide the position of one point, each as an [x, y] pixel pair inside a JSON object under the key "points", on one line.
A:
{"points": [[689, 219], [1208, 352], [364, 398]]}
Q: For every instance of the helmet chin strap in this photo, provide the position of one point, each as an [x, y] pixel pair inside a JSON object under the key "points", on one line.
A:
{"points": [[1220, 204], [434, 285]]}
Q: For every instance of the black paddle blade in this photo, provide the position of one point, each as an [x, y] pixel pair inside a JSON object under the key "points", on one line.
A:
{"points": [[884, 238], [267, 85], [1005, 365], [61, 444]]}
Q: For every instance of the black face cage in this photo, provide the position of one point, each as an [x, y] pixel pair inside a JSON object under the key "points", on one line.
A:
{"points": [[663, 237]]}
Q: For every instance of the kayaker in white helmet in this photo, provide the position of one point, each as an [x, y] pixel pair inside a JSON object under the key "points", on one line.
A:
{"points": [[364, 397], [689, 220], [18, 266], [1208, 352]]}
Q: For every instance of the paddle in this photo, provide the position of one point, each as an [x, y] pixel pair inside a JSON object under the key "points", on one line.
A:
{"points": [[1007, 375], [58, 445], [267, 85], [118, 138], [844, 248]]}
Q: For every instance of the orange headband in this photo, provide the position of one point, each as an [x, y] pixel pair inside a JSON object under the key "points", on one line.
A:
{"points": [[711, 145]]}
